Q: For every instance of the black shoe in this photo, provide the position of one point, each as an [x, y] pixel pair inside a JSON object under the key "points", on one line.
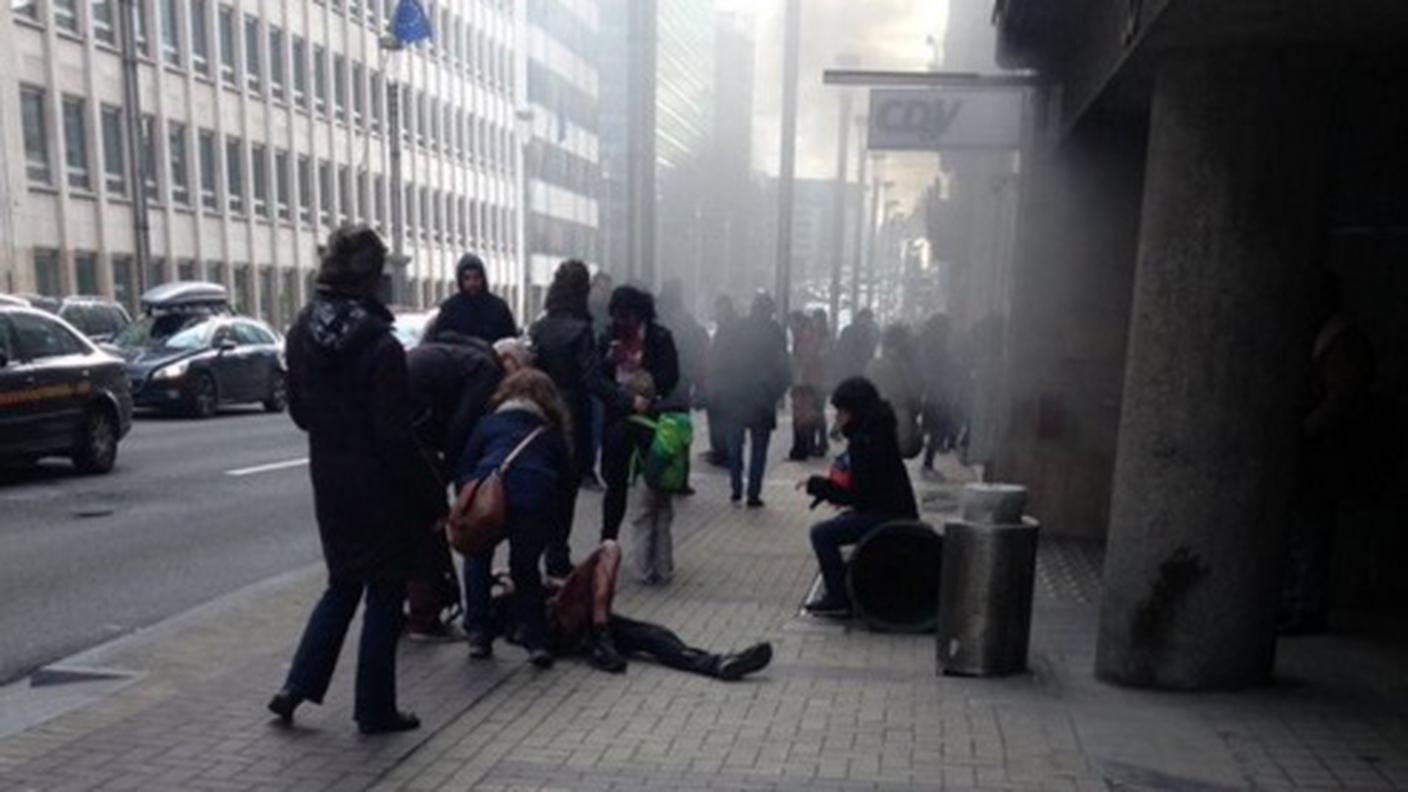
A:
{"points": [[283, 704], [828, 608], [541, 658], [735, 497], [604, 655], [397, 722], [738, 665], [688, 490], [481, 646], [755, 503], [591, 482]]}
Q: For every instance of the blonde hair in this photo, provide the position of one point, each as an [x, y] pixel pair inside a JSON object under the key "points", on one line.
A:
{"points": [[534, 386]]}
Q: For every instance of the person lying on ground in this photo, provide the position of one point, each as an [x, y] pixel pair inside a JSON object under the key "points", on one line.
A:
{"points": [[581, 621]]}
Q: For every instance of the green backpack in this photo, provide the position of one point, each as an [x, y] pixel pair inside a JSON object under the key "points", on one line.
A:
{"points": [[665, 464]]}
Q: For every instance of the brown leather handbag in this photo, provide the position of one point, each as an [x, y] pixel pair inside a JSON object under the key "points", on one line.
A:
{"points": [[480, 514]]}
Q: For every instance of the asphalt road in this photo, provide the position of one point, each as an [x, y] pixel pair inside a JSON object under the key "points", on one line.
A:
{"points": [[84, 559]]}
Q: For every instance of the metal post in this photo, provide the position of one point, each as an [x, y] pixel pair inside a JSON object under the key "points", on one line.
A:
{"points": [[787, 176], [132, 107], [398, 193], [858, 244], [640, 140], [838, 215], [872, 228]]}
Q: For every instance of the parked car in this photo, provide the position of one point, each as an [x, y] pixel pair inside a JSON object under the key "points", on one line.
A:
{"points": [[99, 319], [189, 353], [59, 394], [410, 326]]}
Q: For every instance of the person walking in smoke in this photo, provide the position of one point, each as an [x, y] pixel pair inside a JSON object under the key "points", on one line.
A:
{"points": [[565, 347], [809, 372], [473, 311], [856, 347], [896, 375], [692, 342], [725, 317], [372, 488], [753, 373], [939, 375]]}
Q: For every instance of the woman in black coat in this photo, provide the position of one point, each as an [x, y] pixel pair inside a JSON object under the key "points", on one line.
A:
{"points": [[634, 342], [372, 487], [870, 483], [565, 348]]}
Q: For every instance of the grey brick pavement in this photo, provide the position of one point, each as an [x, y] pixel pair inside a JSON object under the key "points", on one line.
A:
{"points": [[841, 709]]}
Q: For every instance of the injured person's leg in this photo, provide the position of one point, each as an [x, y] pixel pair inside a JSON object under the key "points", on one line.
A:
{"points": [[665, 647]]}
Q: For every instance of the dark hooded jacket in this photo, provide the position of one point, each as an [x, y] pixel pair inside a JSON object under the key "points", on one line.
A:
{"points": [[372, 486], [451, 384], [484, 316], [879, 481], [564, 347], [752, 371]]}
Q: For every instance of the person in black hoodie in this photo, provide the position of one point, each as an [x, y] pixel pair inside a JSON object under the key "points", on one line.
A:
{"points": [[473, 312], [633, 343], [878, 490], [372, 487], [451, 381], [566, 349]]}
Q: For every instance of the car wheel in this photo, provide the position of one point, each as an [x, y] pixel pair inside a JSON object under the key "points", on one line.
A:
{"points": [[97, 442], [278, 393], [201, 396]]}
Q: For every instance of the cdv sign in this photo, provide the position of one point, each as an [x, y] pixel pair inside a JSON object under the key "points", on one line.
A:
{"points": [[933, 119]]}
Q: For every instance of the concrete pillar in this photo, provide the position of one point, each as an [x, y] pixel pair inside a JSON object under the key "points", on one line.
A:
{"points": [[1230, 248]]}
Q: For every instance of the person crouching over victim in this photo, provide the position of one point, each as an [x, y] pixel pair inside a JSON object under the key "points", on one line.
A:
{"points": [[530, 419], [580, 621]]}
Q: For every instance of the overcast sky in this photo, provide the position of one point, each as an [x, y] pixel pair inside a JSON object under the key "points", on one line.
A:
{"points": [[885, 34]]}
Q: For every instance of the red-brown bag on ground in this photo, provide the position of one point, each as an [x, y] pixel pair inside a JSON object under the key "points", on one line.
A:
{"points": [[477, 520]]}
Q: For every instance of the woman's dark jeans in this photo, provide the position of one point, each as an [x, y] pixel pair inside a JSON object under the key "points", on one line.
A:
{"points": [[528, 534], [830, 536], [623, 439], [318, 651]]}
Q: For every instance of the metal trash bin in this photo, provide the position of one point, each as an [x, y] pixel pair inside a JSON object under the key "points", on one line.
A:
{"points": [[985, 601]]}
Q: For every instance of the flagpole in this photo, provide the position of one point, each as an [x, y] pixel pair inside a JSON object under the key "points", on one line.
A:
{"points": [[409, 24]]}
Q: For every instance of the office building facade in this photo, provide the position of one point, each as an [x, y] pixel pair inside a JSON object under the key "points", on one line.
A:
{"points": [[260, 126], [564, 157]]}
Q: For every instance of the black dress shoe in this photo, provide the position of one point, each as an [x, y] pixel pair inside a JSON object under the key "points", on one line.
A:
{"points": [[397, 722], [540, 658], [481, 646], [283, 704], [738, 665], [755, 503], [828, 608]]}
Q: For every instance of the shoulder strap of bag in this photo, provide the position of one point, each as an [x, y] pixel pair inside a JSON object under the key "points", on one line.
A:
{"points": [[519, 449]]}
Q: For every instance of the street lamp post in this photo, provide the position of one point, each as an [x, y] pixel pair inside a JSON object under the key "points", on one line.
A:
{"points": [[132, 104], [786, 178]]}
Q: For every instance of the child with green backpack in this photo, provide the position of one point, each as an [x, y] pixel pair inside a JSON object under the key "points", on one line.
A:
{"points": [[663, 467]]}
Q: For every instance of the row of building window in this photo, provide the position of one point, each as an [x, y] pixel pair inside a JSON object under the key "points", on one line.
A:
{"points": [[186, 35], [425, 120], [268, 194]]}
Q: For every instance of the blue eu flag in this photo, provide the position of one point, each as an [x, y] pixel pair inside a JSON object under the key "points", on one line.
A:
{"points": [[410, 23]]}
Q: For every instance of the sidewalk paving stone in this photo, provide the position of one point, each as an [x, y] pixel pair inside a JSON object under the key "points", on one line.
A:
{"points": [[841, 709]]}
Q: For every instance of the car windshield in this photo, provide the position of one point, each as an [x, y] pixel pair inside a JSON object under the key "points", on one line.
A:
{"points": [[171, 331], [410, 327]]}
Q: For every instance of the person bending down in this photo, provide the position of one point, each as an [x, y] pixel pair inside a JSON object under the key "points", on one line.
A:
{"points": [[580, 621]]}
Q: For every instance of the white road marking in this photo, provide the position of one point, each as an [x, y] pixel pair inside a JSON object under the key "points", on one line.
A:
{"points": [[269, 468]]}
